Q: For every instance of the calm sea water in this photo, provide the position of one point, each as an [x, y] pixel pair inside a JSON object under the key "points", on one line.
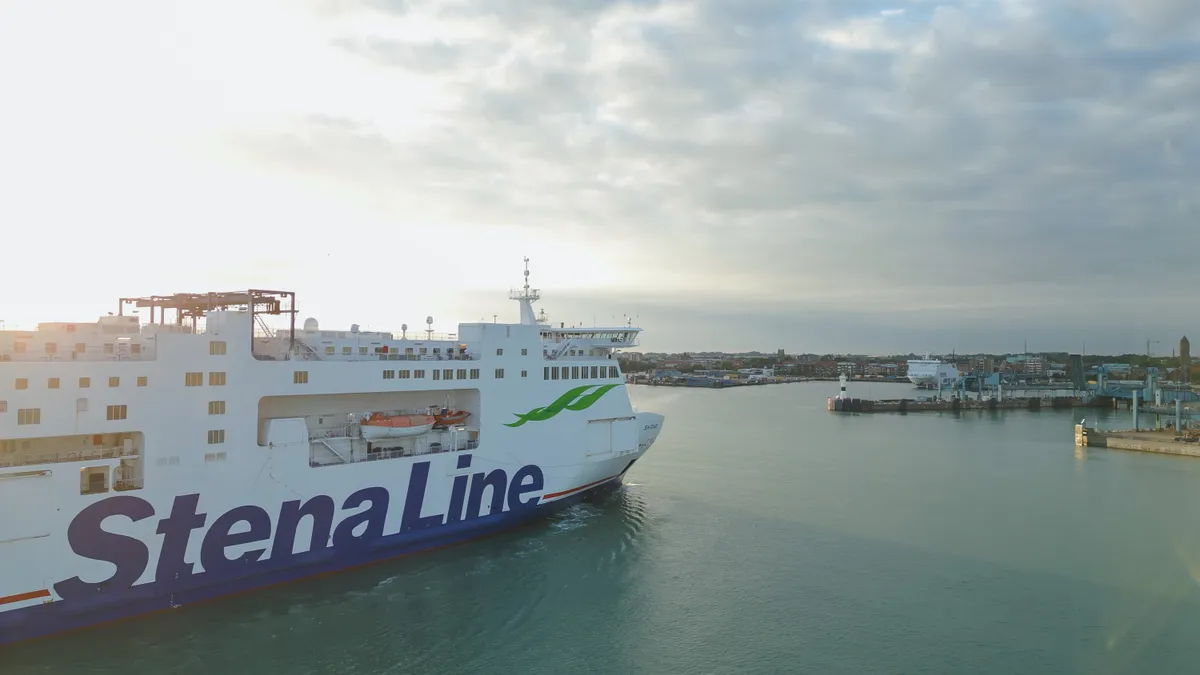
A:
{"points": [[761, 534]]}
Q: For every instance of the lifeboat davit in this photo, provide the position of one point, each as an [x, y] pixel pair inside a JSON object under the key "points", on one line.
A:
{"points": [[379, 425], [446, 417]]}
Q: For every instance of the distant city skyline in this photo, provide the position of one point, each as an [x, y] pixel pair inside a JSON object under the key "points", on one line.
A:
{"points": [[818, 176], [672, 328]]}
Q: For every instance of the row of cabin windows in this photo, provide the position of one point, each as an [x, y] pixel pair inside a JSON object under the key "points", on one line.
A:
{"points": [[403, 374], [446, 374], [215, 379], [80, 348], [347, 350], [579, 372], [84, 382], [456, 373], [30, 416]]}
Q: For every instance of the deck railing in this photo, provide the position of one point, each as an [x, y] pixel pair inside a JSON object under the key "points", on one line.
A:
{"points": [[20, 458], [398, 453]]}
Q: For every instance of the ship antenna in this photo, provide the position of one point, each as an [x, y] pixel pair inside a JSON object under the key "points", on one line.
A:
{"points": [[526, 297]]}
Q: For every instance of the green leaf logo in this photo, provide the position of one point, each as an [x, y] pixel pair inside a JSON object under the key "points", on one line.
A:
{"points": [[575, 399]]}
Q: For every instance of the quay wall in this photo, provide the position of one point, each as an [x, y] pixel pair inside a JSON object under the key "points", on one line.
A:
{"points": [[1163, 443]]}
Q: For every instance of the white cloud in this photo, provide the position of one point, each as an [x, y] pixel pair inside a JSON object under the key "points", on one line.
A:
{"points": [[957, 159]]}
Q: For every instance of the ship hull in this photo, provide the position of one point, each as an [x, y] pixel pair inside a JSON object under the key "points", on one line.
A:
{"points": [[229, 459], [56, 618]]}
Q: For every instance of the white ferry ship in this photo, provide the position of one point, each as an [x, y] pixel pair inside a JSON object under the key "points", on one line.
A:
{"points": [[145, 467], [929, 373]]}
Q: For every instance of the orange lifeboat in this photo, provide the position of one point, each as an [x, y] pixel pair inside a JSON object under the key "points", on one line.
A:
{"points": [[446, 417], [379, 425]]}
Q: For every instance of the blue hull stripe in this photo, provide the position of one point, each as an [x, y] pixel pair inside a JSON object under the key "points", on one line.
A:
{"points": [[56, 617]]}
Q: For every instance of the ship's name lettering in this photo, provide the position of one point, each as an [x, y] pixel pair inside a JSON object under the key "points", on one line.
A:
{"points": [[253, 525]]}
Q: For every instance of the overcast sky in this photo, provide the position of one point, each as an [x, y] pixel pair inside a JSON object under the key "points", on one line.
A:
{"points": [[825, 175]]}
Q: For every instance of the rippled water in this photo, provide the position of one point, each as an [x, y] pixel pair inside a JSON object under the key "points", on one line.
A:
{"points": [[762, 534]]}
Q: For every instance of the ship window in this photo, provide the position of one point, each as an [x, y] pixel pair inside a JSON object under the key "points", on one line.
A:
{"points": [[389, 374], [554, 373], [300, 377], [419, 374], [19, 348], [524, 373], [216, 436], [500, 352], [80, 347], [135, 349], [29, 416], [462, 373], [499, 373], [612, 371], [52, 383], [329, 349], [216, 379], [51, 348], [193, 379], [524, 352], [214, 456], [114, 381], [402, 374], [423, 350], [345, 350], [142, 381], [3, 406], [437, 374], [93, 480], [85, 382], [546, 372], [596, 372], [117, 412], [216, 407], [362, 350], [216, 348], [108, 348], [448, 374], [22, 383], [574, 372]]}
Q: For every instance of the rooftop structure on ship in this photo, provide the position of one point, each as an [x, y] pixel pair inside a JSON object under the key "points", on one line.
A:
{"points": [[122, 337]]}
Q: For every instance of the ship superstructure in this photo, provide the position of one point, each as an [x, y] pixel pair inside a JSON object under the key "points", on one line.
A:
{"points": [[932, 373], [147, 466]]}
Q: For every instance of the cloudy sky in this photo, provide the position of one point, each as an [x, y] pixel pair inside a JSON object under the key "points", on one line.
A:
{"points": [[816, 175]]}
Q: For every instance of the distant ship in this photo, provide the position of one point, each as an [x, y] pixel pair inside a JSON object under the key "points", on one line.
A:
{"points": [[929, 372]]}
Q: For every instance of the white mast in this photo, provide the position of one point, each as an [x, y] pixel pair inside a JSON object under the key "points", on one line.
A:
{"points": [[526, 296]]}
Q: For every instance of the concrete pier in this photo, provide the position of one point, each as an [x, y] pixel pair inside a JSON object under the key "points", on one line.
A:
{"points": [[904, 405], [1161, 442]]}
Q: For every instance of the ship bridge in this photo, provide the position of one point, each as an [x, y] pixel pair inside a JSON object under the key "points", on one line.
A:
{"points": [[564, 342]]}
